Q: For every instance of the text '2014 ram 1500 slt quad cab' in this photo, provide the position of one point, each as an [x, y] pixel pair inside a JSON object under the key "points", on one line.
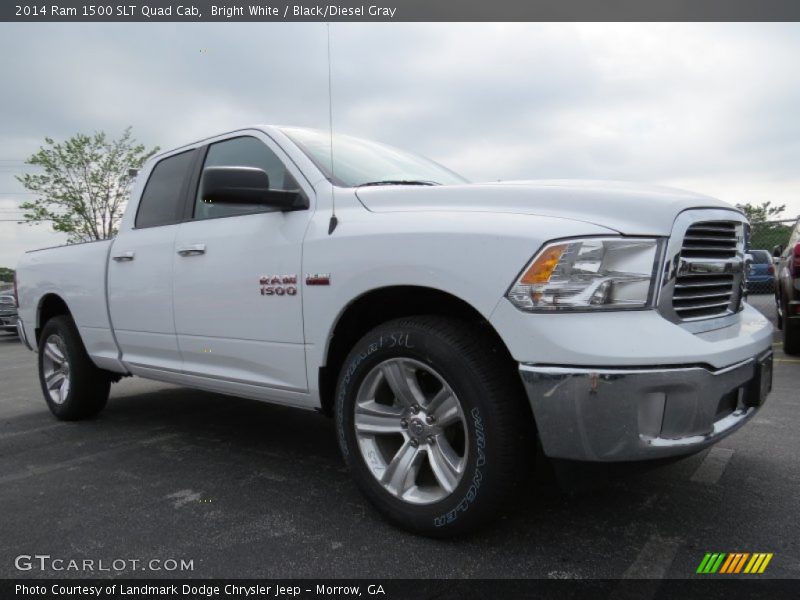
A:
{"points": [[444, 325]]}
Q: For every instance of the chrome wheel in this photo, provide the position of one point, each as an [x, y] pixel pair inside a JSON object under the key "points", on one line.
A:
{"points": [[411, 431], [55, 368]]}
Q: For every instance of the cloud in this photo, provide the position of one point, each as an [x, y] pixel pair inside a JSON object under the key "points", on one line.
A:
{"points": [[710, 107]]}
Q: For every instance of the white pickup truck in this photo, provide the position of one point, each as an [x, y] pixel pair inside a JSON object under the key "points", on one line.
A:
{"points": [[444, 325]]}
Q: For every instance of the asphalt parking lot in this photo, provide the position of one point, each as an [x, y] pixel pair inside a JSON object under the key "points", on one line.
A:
{"points": [[245, 489]]}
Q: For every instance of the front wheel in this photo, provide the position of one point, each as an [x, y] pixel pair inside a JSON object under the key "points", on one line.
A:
{"points": [[73, 386], [433, 425]]}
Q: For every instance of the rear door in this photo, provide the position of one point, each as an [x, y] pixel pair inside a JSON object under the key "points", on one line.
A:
{"points": [[238, 304], [140, 270]]}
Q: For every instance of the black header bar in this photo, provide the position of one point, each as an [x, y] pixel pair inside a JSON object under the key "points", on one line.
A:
{"points": [[400, 10]]}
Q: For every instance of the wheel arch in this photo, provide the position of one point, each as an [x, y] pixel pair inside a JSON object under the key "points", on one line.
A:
{"points": [[51, 305], [383, 304]]}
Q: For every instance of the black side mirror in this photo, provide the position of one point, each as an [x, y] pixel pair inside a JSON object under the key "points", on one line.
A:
{"points": [[247, 185], [777, 251]]}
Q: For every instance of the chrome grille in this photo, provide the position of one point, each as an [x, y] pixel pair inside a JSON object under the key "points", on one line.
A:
{"points": [[709, 276], [710, 239]]}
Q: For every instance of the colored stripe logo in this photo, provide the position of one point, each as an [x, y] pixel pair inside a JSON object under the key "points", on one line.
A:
{"points": [[734, 562]]}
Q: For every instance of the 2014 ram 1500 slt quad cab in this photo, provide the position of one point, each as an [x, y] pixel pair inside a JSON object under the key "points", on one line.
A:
{"points": [[444, 325]]}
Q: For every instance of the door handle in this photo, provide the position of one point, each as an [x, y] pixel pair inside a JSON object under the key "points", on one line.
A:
{"points": [[192, 250], [124, 257]]}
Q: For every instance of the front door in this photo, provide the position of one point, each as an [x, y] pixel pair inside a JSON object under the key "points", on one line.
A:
{"points": [[237, 292]]}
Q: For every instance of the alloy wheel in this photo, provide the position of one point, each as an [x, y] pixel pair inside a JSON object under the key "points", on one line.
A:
{"points": [[411, 431], [55, 368]]}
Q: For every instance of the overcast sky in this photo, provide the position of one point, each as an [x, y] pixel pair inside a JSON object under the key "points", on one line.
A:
{"points": [[714, 108]]}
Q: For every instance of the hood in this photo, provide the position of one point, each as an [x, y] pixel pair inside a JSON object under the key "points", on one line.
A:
{"points": [[628, 208]]}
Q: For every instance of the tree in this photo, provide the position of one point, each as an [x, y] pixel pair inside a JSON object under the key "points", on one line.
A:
{"points": [[759, 213], [6, 275], [765, 231], [84, 184]]}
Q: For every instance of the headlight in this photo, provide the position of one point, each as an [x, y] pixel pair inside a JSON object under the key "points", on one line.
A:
{"points": [[589, 274]]}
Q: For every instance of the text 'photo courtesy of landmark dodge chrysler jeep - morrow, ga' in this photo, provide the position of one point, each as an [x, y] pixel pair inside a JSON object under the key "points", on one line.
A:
{"points": [[444, 325]]}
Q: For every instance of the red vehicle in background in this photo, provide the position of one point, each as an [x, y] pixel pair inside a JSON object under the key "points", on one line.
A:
{"points": [[787, 290]]}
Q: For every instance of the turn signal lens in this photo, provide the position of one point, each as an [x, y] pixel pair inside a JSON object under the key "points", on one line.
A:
{"points": [[544, 265]]}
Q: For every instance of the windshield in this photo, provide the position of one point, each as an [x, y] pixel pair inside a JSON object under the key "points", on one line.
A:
{"points": [[359, 162]]}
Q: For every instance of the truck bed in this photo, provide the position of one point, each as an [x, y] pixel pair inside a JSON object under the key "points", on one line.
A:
{"points": [[77, 274]]}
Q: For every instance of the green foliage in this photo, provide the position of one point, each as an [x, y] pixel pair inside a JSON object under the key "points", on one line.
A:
{"points": [[6, 274], [84, 184], [765, 231], [758, 213]]}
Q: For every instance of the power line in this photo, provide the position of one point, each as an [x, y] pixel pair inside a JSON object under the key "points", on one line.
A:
{"points": [[14, 213]]}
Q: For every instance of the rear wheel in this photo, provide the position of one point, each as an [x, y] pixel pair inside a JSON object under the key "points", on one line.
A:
{"points": [[433, 425], [73, 386]]}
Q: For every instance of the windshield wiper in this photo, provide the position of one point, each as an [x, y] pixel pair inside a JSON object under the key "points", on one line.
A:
{"points": [[399, 182]]}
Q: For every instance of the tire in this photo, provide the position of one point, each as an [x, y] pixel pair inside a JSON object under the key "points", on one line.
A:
{"points": [[468, 460], [791, 335], [73, 387]]}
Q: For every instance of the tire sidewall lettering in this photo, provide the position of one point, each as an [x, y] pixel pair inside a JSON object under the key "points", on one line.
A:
{"points": [[477, 477], [387, 341]]}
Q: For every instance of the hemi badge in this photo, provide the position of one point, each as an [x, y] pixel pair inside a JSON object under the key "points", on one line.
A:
{"points": [[318, 279]]}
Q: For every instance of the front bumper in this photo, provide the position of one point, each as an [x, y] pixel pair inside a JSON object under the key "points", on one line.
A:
{"points": [[626, 414]]}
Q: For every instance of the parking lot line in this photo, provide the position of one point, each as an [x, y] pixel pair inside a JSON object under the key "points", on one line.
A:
{"points": [[29, 431], [654, 559], [34, 470], [787, 360], [713, 465]]}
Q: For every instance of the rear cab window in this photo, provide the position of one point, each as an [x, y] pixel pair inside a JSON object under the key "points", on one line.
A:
{"points": [[163, 196]]}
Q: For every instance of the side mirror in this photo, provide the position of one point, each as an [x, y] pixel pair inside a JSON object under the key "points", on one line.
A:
{"points": [[777, 251], [247, 185]]}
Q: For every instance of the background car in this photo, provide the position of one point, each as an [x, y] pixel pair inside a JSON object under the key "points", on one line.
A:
{"points": [[8, 313], [787, 290], [761, 276]]}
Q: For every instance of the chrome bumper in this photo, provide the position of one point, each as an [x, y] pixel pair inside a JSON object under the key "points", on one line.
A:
{"points": [[635, 414], [22, 336]]}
